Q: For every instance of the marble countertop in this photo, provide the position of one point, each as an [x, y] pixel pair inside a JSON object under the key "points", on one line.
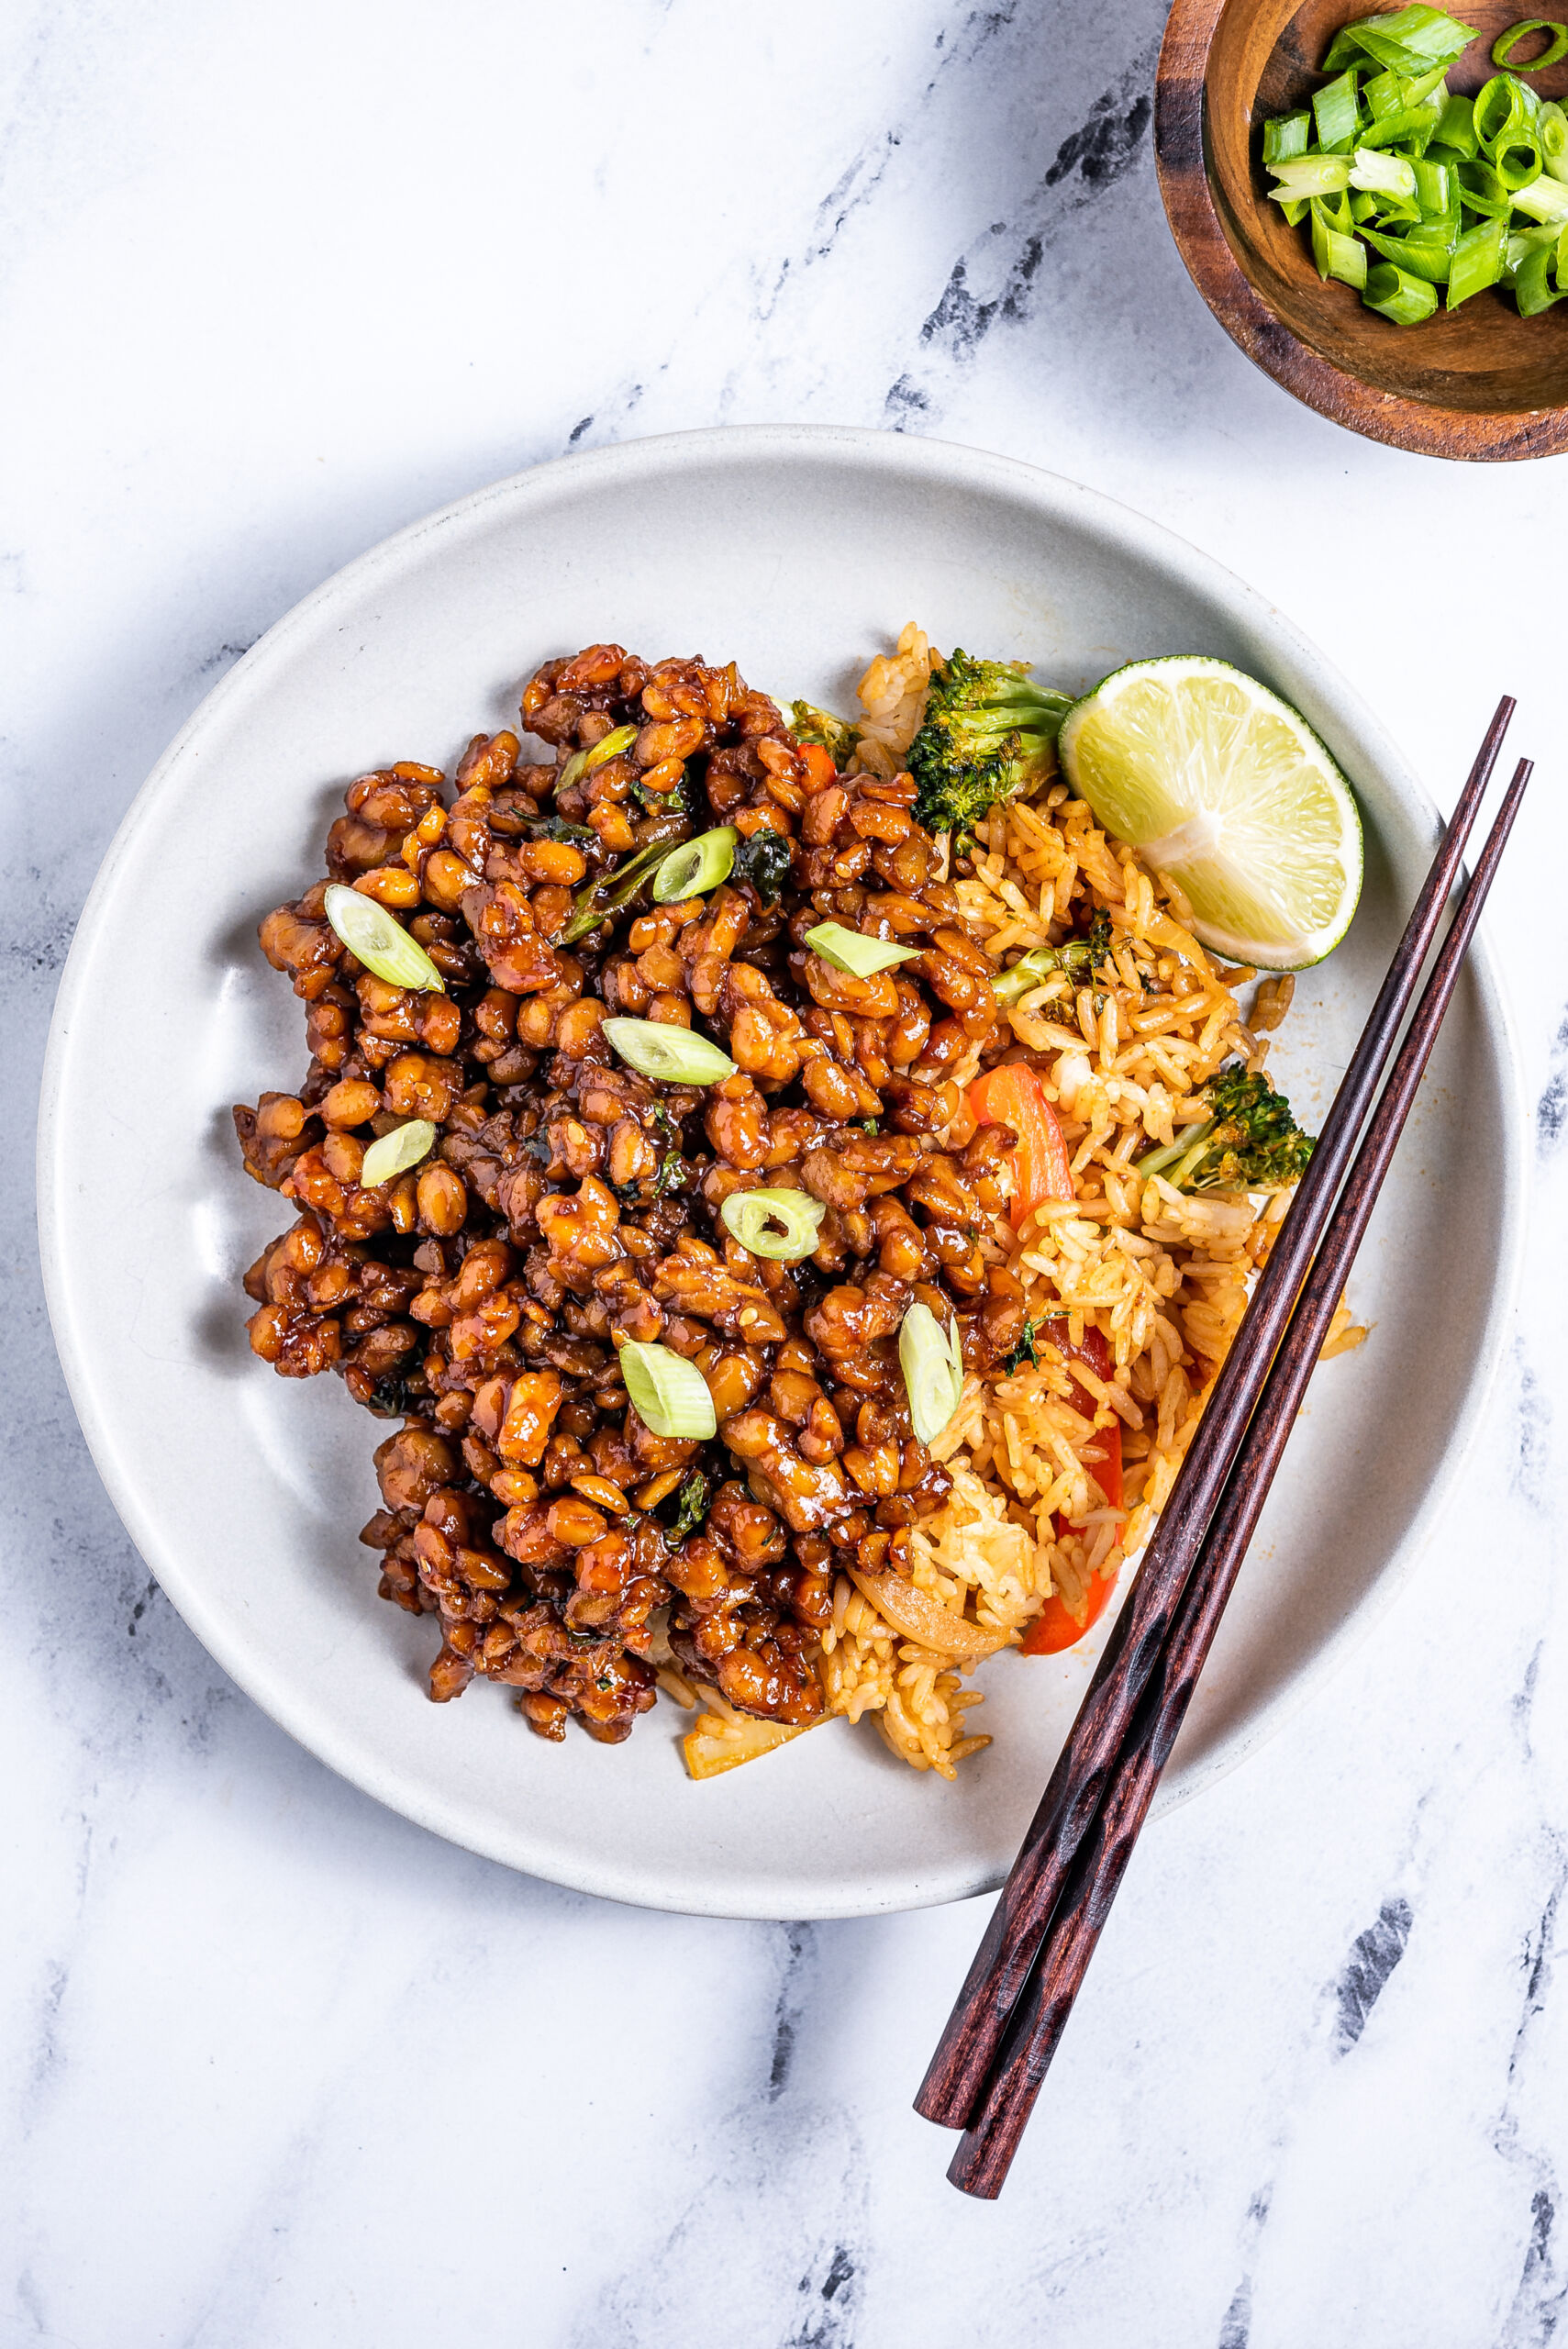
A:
{"points": [[282, 2069]]}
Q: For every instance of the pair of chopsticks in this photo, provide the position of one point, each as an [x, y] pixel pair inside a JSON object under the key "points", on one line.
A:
{"points": [[1016, 1999]]}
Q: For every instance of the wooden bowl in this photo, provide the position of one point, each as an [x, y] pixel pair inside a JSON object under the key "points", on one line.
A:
{"points": [[1483, 382]]}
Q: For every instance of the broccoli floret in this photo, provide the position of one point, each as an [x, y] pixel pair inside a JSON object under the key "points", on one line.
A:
{"points": [[809, 724], [989, 733], [1080, 958], [1248, 1142]]}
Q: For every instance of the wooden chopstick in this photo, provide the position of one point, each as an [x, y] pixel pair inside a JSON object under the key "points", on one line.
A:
{"points": [[986, 2150], [972, 2040]]}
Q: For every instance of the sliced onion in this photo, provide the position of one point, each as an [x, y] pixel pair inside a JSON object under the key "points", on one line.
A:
{"points": [[396, 1153], [380, 942], [673, 1055], [852, 951], [668, 1393], [696, 867], [933, 1371], [748, 1214], [922, 1618]]}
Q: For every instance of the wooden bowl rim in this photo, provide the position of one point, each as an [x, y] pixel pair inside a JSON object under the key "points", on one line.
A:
{"points": [[1181, 160]]}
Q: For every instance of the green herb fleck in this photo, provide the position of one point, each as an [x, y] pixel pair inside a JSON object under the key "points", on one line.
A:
{"points": [[691, 1508]]}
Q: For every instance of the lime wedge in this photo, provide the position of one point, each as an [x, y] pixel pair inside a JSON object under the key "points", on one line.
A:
{"points": [[1227, 790]]}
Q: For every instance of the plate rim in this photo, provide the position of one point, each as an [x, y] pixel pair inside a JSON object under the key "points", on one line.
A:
{"points": [[1113, 522]]}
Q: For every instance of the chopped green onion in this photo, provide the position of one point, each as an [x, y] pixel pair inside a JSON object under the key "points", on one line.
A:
{"points": [[852, 951], [1420, 88], [1518, 162], [1524, 241], [1405, 299], [668, 1393], [1411, 39], [696, 867], [1457, 128], [1413, 129], [1423, 252], [396, 1153], [1504, 107], [1545, 199], [1381, 95], [1483, 191], [1337, 255], [657, 1048], [932, 1363], [1455, 217], [1553, 131], [1477, 260], [1382, 174], [610, 746], [607, 895], [748, 1215], [1437, 191], [1556, 48], [379, 941], [1284, 136], [1533, 288], [1311, 175], [1337, 111]]}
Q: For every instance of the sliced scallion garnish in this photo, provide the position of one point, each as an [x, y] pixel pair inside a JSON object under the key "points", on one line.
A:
{"points": [[1311, 175], [1477, 260], [378, 939], [852, 951], [1284, 136], [1410, 41], [601, 898], [1405, 299], [1380, 174], [1545, 199], [668, 1393], [1336, 110], [749, 1214], [1438, 186], [396, 1153], [1456, 126], [608, 746], [1556, 48], [696, 867], [673, 1055], [932, 1363], [1337, 254]]}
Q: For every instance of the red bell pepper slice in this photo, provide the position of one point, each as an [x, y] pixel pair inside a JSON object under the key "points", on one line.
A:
{"points": [[1056, 1628], [1012, 1095]]}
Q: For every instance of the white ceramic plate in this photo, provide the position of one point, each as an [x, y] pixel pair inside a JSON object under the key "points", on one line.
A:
{"points": [[797, 552]]}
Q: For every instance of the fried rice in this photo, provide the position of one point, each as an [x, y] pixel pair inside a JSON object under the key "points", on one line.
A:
{"points": [[1162, 1276]]}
